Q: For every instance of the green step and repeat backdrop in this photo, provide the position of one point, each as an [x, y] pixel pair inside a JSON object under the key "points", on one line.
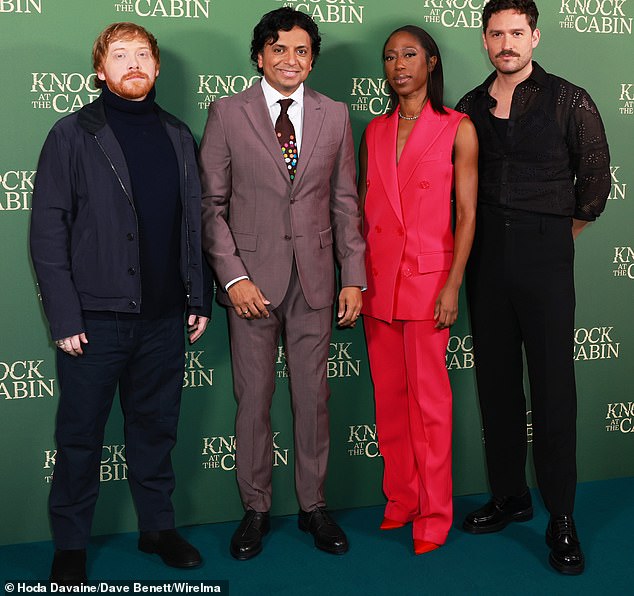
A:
{"points": [[45, 73]]}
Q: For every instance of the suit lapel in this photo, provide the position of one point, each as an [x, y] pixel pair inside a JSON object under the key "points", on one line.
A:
{"points": [[258, 115], [385, 151], [427, 129], [311, 127]]}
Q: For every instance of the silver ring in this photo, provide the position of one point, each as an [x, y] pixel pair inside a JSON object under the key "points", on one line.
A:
{"points": [[245, 312]]}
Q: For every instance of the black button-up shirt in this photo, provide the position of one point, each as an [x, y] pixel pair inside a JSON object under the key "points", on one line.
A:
{"points": [[554, 155]]}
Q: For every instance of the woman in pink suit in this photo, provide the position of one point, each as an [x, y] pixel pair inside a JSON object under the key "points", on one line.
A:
{"points": [[411, 159]]}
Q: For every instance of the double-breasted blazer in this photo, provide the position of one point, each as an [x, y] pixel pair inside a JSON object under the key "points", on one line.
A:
{"points": [[408, 215], [255, 221]]}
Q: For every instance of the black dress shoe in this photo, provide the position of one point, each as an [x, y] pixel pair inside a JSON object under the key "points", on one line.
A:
{"points": [[328, 535], [565, 550], [499, 513], [69, 567], [171, 547], [246, 541]]}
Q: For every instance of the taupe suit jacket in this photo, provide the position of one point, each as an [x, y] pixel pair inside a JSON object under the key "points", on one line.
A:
{"points": [[255, 220]]}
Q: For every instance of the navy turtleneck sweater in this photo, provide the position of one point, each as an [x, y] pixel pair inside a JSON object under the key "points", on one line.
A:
{"points": [[154, 175]]}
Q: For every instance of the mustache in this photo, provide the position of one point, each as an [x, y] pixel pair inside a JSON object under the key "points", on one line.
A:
{"points": [[135, 75], [507, 53]]}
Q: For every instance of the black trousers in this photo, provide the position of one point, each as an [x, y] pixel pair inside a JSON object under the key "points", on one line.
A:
{"points": [[520, 285], [146, 360]]}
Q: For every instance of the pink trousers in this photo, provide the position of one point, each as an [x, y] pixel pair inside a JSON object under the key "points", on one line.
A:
{"points": [[413, 420]]}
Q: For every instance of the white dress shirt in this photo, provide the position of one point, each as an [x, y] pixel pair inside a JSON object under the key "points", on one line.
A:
{"points": [[295, 110]]}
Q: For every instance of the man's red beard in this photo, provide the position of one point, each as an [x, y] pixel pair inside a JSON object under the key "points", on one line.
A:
{"points": [[131, 86]]}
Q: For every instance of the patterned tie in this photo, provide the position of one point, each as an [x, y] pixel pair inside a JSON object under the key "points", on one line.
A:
{"points": [[286, 136]]}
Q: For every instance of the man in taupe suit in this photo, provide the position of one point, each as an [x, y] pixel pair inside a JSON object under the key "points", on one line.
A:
{"points": [[279, 203]]}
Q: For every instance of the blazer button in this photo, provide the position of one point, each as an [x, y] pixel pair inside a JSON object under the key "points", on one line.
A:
{"points": [[132, 304], [378, 229], [131, 270], [287, 237], [400, 232], [130, 236], [425, 184], [375, 271], [406, 272]]}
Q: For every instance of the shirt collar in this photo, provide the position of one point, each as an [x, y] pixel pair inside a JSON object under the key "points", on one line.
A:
{"points": [[538, 75], [272, 96]]}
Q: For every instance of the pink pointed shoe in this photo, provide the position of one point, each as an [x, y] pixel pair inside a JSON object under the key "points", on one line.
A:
{"points": [[422, 546], [391, 524]]}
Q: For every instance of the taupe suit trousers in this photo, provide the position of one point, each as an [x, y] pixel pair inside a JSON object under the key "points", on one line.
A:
{"points": [[254, 345]]}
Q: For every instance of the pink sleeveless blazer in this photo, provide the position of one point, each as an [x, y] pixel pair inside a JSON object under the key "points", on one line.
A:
{"points": [[407, 215]]}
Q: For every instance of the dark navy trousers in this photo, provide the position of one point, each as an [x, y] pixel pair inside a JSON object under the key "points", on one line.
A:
{"points": [[521, 294], [145, 359]]}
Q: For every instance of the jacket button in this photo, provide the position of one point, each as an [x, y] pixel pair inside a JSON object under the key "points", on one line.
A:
{"points": [[287, 237], [132, 304], [131, 270], [400, 232], [130, 236], [425, 184], [378, 229]]}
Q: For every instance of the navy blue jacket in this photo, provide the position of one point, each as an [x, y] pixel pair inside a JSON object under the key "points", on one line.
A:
{"points": [[84, 233]]}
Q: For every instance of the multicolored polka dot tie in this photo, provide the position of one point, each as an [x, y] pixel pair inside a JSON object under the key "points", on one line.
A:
{"points": [[286, 136]]}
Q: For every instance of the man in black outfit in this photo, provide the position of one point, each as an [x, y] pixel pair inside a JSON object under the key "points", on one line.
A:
{"points": [[544, 175], [115, 242]]}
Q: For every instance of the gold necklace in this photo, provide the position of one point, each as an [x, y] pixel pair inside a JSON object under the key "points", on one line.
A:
{"points": [[403, 117], [407, 117]]}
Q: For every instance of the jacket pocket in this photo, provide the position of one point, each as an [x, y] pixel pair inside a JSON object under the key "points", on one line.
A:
{"points": [[329, 149], [430, 262], [247, 242], [325, 238]]}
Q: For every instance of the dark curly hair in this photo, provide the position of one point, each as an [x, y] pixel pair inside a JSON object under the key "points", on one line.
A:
{"points": [[283, 19], [527, 7]]}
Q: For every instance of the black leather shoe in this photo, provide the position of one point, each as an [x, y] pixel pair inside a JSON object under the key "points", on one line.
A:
{"points": [[328, 535], [246, 541], [499, 513], [69, 567], [565, 550], [171, 547]]}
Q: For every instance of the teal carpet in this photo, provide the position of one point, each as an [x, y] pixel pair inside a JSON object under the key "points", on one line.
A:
{"points": [[511, 562]]}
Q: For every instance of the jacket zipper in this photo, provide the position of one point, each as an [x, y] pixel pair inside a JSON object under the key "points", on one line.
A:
{"points": [[184, 200], [125, 191]]}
